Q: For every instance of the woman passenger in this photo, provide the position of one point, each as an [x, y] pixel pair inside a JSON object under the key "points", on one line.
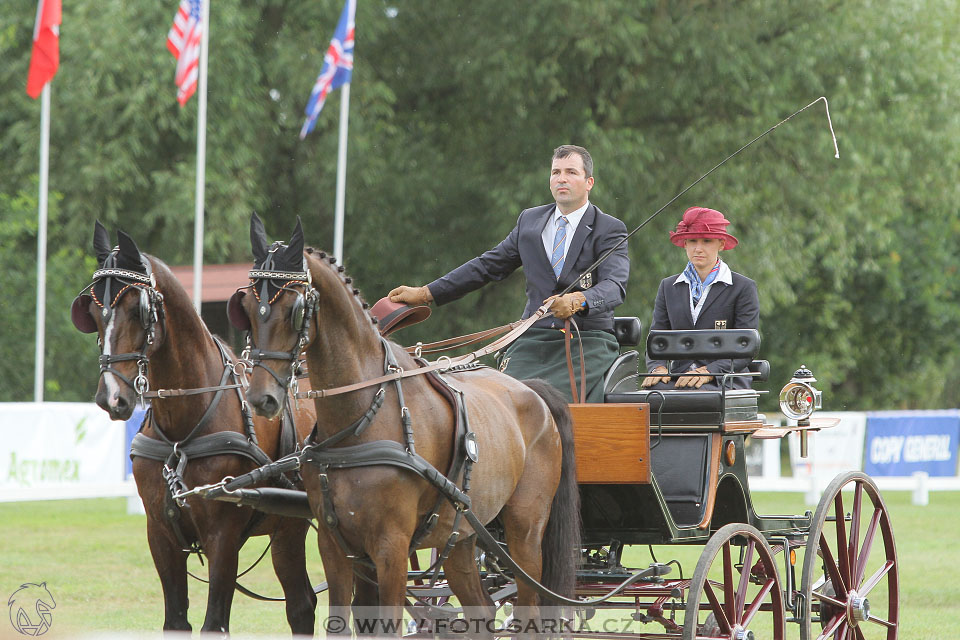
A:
{"points": [[706, 295]]}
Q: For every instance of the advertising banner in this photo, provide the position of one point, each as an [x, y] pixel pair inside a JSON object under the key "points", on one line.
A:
{"points": [[901, 443], [831, 451], [57, 446]]}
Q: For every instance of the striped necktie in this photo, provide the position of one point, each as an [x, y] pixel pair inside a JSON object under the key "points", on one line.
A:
{"points": [[558, 241]]}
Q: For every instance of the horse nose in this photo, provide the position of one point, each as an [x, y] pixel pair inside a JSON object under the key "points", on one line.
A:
{"points": [[266, 405], [114, 403], [121, 409]]}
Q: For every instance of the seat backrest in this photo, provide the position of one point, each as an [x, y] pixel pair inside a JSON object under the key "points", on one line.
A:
{"points": [[628, 331], [703, 344]]}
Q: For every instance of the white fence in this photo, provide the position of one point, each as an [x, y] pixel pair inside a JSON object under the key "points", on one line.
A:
{"points": [[58, 451]]}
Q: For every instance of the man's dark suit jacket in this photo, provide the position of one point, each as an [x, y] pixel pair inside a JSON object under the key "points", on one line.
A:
{"points": [[596, 233], [734, 306]]}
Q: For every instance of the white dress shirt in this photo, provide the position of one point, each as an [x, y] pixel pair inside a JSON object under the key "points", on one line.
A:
{"points": [[550, 229]]}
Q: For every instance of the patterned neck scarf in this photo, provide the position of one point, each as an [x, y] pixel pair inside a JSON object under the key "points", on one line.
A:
{"points": [[696, 285]]}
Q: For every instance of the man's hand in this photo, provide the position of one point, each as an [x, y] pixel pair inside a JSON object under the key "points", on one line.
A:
{"points": [[694, 381], [652, 380], [566, 305], [411, 295]]}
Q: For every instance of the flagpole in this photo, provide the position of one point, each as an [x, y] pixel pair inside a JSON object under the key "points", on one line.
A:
{"points": [[341, 173], [201, 158], [41, 321]]}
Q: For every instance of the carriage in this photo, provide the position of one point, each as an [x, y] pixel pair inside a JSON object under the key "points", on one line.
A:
{"points": [[652, 467], [669, 468]]}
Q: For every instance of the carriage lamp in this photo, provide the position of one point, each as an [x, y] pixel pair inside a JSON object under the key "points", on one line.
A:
{"points": [[798, 400]]}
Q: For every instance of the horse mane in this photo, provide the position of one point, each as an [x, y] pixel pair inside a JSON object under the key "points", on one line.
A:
{"points": [[176, 303], [340, 272]]}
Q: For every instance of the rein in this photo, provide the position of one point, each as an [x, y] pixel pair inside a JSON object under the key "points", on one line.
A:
{"points": [[444, 363]]}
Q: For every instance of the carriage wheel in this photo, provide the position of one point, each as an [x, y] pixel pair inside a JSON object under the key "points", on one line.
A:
{"points": [[850, 572], [735, 590]]}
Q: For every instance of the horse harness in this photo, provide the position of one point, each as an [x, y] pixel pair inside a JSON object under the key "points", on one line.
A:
{"points": [[301, 315], [175, 454], [324, 456]]}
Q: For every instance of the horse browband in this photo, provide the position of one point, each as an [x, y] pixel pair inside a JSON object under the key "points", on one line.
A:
{"points": [[299, 276], [112, 272]]}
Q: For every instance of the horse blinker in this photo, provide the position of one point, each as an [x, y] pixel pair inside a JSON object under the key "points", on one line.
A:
{"points": [[80, 314]]}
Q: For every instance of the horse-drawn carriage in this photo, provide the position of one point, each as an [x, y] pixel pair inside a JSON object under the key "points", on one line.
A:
{"points": [[652, 468]]}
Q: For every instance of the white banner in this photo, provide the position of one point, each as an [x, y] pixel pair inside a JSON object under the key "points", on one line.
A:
{"points": [[60, 450], [831, 451]]}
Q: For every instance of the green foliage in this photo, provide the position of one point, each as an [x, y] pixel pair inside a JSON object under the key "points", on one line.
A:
{"points": [[455, 109]]}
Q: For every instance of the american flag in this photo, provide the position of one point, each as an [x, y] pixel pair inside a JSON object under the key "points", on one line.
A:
{"points": [[337, 66], [183, 41]]}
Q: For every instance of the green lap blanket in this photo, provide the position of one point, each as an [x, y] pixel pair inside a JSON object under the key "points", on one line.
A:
{"points": [[540, 353]]}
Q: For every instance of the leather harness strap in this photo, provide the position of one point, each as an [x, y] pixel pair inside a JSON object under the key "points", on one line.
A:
{"points": [[460, 341], [442, 364], [567, 339]]}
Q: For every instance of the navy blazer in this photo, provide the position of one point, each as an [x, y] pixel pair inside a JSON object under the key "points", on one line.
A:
{"points": [[729, 306], [604, 288]]}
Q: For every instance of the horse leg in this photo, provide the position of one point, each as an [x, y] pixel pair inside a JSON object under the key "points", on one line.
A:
{"points": [[338, 570], [222, 549], [366, 599], [290, 565], [171, 564], [463, 576], [390, 558]]}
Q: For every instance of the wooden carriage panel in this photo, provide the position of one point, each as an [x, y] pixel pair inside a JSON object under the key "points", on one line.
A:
{"points": [[612, 443]]}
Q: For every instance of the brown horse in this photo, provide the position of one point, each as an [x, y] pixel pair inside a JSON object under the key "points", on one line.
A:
{"points": [[525, 472], [152, 337]]}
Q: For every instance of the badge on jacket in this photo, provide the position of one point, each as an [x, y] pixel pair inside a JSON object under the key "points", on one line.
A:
{"points": [[586, 281], [720, 324]]}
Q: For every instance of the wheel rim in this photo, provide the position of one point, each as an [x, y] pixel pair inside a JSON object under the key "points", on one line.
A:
{"points": [[850, 572], [735, 602]]}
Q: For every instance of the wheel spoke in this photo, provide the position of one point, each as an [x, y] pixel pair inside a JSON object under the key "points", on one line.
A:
{"points": [[755, 605], [835, 622], [881, 622], [728, 602], [718, 611], [859, 634], [843, 558], [875, 578], [825, 598], [744, 581], [854, 530], [838, 583], [867, 544]]}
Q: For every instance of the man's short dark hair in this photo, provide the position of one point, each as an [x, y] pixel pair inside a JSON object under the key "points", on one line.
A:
{"points": [[567, 150]]}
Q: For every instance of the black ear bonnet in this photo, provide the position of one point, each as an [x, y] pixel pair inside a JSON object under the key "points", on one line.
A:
{"points": [[275, 267], [121, 268]]}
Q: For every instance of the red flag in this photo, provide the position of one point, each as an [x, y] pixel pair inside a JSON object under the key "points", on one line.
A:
{"points": [[46, 47]]}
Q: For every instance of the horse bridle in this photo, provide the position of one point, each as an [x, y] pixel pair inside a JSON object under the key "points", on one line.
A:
{"points": [[150, 310], [304, 307]]}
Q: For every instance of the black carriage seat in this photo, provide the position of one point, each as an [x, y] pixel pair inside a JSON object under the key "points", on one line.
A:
{"points": [[628, 332], [691, 407]]}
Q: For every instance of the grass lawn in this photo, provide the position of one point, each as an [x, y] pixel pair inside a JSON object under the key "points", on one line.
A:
{"points": [[95, 561]]}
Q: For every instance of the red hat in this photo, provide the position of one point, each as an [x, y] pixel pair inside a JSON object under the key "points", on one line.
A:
{"points": [[700, 222], [393, 316]]}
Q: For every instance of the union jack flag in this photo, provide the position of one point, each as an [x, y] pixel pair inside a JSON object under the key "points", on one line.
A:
{"points": [[183, 41], [337, 66]]}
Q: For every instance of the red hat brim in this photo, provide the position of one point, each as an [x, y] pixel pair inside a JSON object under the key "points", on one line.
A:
{"points": [[680, 237]]}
